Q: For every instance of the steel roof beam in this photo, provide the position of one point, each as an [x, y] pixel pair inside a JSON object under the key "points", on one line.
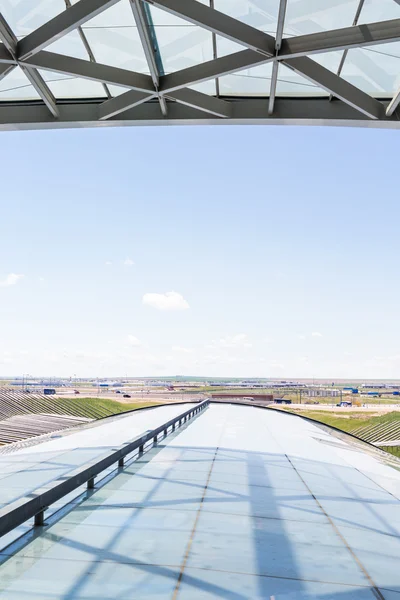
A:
{"points": [[206, 17], [11, 42], [202, 72], [275, 66], [358, 36], [393, 104], [148, 48], [337, 86], [88, 49], [90, 70], [211, 69], [220, 23], [203, 102], [60, 25], [5, 56], [5, 69], [345, 52], [114, 106]]}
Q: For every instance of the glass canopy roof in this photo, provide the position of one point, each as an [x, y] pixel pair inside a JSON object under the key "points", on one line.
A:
{"points": [[203, 43]]}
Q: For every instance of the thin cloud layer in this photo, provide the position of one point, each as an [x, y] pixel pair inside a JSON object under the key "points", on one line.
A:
{"points": [[11, 279], [167, 301]]}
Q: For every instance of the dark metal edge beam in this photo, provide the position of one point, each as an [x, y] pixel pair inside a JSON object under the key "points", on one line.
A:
{"points": [[90, 70], [288, 111], [208, 104], [114, 106], [338, 87], [358, 36], [60, 25], [218, 22]]}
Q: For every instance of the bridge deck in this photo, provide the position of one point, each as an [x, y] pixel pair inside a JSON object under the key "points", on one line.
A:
{"points": [[242, 503]]}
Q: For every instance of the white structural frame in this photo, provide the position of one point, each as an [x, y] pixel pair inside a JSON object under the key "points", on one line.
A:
{"points": [[158, 98]]}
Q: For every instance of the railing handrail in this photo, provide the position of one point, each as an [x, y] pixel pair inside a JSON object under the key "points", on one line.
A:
{"points": [[25, 508]]}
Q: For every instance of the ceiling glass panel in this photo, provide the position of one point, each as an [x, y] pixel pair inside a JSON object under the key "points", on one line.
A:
{"points": [[181, 45], [374, 70], [251, 82], [379, 10], [23, 16], [16, 86], [119, 15], [262, 14], [311, 16], [162, 17], [64, 86], [225, 46], [70, 44], [118, 47], [206, 87], [291, 84]]}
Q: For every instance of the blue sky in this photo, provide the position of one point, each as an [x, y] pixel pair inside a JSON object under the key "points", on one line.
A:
{"points": [[256, 251]]}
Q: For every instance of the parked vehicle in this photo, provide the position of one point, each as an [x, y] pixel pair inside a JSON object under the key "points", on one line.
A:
{"points": [[127, 396]]}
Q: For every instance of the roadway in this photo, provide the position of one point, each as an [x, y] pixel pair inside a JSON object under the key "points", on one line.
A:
{"points": [[242, 503]]}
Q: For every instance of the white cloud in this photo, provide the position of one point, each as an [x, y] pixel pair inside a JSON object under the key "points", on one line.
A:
{"points": [[301, 337], [108, 263], [316, 334], [167, 301], [11, 279], [128, 262], [181, 349], [41, 279], [133, 340]]}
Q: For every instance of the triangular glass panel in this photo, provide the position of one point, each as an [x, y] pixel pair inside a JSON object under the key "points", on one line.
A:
{"points": [[180, 43], [305, 16], [255, 81], [70, 44], [25, 17], [16, 86], [66, 86], [114, 39]]}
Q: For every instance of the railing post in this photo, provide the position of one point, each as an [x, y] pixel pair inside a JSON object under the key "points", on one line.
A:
{"points": [[165, 433], [155, 439], [90, 483], [39, 519], [121, 462], [141, 449], [173, 426]]}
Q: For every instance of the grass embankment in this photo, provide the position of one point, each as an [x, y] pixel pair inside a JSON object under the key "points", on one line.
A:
{"points": [[350, 421], [98, 407]]}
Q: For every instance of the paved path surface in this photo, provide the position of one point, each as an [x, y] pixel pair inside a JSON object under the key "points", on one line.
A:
{"points": [[242, 503]]}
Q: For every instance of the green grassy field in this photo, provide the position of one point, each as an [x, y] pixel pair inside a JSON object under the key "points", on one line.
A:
{"points": [[350, 421], [98, 407]]}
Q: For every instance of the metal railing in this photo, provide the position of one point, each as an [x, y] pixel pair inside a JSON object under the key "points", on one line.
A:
{"points": [[23, 509]]}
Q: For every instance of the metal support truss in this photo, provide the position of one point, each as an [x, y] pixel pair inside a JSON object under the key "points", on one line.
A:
{"points": [[173, 92], [142, 25], [278, 42], [11, 43]]}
